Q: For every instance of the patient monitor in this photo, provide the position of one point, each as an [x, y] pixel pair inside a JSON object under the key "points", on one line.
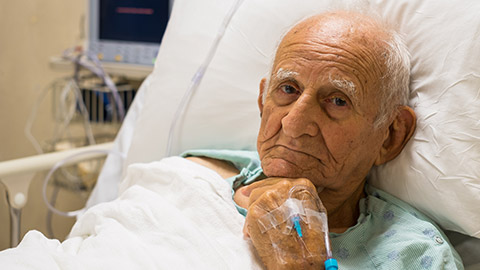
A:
{"points": [[127, 31]]}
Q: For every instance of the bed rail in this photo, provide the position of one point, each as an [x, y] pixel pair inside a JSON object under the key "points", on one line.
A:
{"points": [[17, 174]]}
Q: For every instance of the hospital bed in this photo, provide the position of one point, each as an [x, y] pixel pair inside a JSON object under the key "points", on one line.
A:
{"points": [[439, 170]]}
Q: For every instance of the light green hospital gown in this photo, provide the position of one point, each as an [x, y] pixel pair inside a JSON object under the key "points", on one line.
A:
{"points": [[389, 233]]}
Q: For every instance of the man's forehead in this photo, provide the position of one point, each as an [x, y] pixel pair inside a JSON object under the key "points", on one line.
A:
{"points": [[340, 25], [339, 29], [349, 39]]}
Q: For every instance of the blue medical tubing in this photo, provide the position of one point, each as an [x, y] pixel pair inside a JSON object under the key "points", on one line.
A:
{"points": [[296, 225], [331, 264]]}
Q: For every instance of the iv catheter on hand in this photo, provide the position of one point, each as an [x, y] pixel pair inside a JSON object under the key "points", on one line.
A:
{"points": [[296, 225], [330, 262], [298, 211]]}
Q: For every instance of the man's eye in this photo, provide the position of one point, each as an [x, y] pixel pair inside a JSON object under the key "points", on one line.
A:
{"points": [[288, 89], [338, 101], [338, 107]]}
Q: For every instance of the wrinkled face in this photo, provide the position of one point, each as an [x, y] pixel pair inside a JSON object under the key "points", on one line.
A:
{"points": [[318, 113]]}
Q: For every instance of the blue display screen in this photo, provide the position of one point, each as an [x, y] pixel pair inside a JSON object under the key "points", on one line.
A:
{"points": [[133, 20]]}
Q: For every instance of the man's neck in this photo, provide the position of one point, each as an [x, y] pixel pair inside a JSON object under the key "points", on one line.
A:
{"points": [[342, 213]]}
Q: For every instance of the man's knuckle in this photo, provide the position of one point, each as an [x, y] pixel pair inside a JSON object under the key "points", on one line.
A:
{"points": [[285, 183], [254, 212], [306, 182], [270, 194]]}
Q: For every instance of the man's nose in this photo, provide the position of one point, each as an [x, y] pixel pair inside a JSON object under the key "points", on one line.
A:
{"points": [[300, 119]]}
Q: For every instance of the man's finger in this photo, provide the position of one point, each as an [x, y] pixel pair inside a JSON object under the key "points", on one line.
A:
{"points": [[279, 186], [246, 190]]}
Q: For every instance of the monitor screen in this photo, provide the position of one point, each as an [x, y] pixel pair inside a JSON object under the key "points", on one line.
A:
{"points": [[127, 31], [133, 20]]}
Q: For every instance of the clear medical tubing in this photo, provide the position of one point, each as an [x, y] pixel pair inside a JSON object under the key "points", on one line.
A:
{"points": [[98, 70], [70, 85], [330, 261], [198, 76], [60, 164]]}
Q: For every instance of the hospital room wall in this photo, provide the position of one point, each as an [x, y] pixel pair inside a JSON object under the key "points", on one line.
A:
{"points": [[32, 31]]}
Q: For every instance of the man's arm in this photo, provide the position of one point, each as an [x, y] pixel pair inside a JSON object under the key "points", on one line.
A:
{"points": [[223, 168]]}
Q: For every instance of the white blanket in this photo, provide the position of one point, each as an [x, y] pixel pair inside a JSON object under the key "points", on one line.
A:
{"points": [[171, 214]]}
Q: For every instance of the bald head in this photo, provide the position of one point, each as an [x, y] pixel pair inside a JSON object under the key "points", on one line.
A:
{"points": [[378, 52], [341, 26]]}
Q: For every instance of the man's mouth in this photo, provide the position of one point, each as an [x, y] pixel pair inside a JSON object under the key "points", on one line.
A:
{"points": [[288, 153]]}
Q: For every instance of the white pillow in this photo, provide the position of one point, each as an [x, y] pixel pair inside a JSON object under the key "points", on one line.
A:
{"points": [[438, 172]]}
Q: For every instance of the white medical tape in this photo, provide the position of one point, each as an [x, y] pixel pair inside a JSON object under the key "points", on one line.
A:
{"points": [[284, 213]]}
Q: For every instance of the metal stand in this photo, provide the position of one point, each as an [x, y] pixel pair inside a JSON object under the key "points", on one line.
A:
{"points": [[15, 220], [16, 188]]}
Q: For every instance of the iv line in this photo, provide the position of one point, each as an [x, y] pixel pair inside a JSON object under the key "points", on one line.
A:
{"points": [[198, 76]]}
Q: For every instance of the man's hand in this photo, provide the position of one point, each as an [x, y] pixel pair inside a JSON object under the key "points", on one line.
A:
{"points": [[279, 247]]}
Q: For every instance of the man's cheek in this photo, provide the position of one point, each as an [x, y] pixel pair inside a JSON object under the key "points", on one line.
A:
{"points": [[271, 125], [339, 142]]}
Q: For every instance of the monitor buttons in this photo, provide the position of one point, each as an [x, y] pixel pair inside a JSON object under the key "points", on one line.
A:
{"points": [[118, 58]]}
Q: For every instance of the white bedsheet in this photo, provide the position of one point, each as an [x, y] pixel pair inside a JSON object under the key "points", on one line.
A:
{"points": [[171, 214]]}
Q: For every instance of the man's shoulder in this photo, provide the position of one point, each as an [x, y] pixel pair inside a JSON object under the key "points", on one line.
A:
{"points": [[401, 237], [390, 234]]}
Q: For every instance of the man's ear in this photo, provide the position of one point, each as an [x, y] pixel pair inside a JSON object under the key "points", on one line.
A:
{"points": [[399, 132], [263, 85]]}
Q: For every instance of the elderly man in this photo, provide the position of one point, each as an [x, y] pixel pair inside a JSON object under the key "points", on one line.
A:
{"points": [[333, 106]]}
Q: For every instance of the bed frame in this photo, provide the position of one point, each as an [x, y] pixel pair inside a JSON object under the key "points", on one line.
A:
{"points": [[17, 174]]}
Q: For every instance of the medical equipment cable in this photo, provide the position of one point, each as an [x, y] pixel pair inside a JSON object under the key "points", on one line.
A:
{"points": [[68, 85], [60, 164], [71, 85], [88, 130], [53, 200], [91, 62], [84, 113], [69, 82], [198, 76], [33, 113], [67, 112], [50, 205]]}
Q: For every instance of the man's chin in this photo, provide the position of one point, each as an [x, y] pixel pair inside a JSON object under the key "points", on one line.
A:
{"points": [[279, 167]]}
